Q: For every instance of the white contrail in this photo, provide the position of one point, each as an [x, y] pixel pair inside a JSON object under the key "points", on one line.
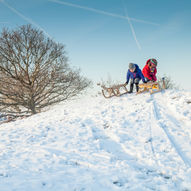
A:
{"points": [[132, 29], [101, 12], [24, 17], [134, 35], [143, 21]]}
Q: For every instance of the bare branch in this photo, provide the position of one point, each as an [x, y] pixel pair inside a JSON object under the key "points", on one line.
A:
{"points": [[34, 72]]}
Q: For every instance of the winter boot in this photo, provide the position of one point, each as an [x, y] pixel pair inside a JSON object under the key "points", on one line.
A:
{"points": [[131, 88]]}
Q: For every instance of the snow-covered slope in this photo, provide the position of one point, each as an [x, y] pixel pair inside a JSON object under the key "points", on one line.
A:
{"points": [[131, 143]]}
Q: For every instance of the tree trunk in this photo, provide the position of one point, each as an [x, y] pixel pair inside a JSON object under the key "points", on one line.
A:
{"points": [[32, 107]]}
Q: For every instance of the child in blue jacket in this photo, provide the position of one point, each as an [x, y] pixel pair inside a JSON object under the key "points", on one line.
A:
{"points": [[134, 73]]}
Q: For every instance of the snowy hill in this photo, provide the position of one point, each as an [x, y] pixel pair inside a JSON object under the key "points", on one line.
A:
{"points": [[131, 143]]}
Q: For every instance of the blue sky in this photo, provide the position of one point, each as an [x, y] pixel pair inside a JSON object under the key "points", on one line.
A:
{"points": [[103, 36]]}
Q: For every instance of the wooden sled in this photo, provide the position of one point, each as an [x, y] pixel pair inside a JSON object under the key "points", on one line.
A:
{"points": [[151, 87], [116, 90]]}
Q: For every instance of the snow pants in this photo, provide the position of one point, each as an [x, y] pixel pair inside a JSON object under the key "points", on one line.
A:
{"points": [[136, 82]]}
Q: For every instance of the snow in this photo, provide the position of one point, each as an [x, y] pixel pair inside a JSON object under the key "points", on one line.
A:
{"points": [[134, 142]]}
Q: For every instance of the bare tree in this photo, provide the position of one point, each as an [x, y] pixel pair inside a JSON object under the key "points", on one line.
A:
{"points": [[34, 72]]}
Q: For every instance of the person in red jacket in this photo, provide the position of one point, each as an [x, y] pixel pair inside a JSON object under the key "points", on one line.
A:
{"points": [[149, 71]]}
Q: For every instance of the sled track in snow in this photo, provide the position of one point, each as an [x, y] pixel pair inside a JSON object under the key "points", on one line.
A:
{"points": [[151, 142], [165, 128]]}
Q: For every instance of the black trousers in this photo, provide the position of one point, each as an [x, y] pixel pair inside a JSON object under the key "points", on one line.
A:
{"points": [[136, 82]]}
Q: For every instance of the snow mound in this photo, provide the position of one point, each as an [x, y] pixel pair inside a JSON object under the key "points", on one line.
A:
{"points": [[134, 143]]}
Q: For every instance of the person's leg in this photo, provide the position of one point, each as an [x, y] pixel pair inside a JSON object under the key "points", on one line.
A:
{"points": [[137, 83], [131, 86]]}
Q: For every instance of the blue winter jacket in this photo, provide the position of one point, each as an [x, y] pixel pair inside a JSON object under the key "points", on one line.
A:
{"points": [[136, 74]]}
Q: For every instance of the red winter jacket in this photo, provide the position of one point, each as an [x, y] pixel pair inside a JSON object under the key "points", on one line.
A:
{"points": [[148, 73]]}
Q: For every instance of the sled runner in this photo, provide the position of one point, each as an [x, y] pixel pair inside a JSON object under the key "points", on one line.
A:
{"points": [[116, 90]]}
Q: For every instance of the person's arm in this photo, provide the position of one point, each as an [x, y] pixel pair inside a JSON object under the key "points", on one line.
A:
{"points": [[128, 76], [154, 76], [146, 73], [142, 77]]}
